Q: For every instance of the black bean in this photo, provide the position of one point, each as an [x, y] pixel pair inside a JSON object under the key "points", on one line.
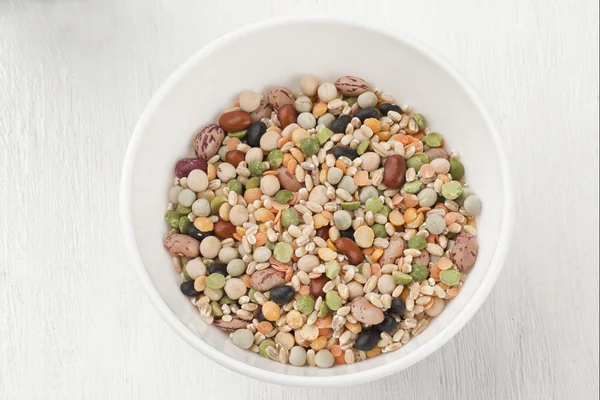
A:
{"points": [[384, 108], [367, 339], [398, 307], [260, 316], [339, 151], [282, 294], [388, 325], [365, 113], [348, 233], [255, 132], [339, 125], [197, 233], [187, 288], [218, 268]]}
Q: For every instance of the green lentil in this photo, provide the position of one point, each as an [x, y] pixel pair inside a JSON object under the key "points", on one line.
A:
{"points": [[283, 196], [350, 100], [310, 146], [417, 161], [270, 245], [216, 309], [451, 190], [172, 218], [350, 205], [385, 211], [420, 120], [400, 278], [373, 204], [181, 209], [289, 217], [332, 269], [215, 281], [184, 224], [238, 134], [235, 185], [362, 147], [251, 295], [413, 187], [275, 158], [305, 304], [283, 252], [457, 170], [257, 168], [253, 182], [323, 310], [434, 139], [379, 231], [323, 135], [262, 347], [417, 242], [333, 300], [226, 300], [419, 272], [216, 203], [450, 277]]}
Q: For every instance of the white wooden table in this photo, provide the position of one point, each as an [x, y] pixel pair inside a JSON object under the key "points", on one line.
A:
{"points": [[75, 76]]}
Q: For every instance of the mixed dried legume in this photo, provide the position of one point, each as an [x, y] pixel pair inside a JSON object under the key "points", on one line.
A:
{"points": [[321, 227]]}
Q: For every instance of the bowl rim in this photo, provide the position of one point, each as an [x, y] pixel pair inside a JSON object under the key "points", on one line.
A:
{"points": [[421, 352]]}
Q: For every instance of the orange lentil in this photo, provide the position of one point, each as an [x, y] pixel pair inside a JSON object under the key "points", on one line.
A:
{"points": [[432, 238], [434, 272], [324, 322], [341, 165], [247, 280], [361, 178], [261, 237], [289, 274], [237, 237], [450, 219], [283, 141], [304, 290], [369, 250], [264, 327], [336, 350], [419, 136], [232, 143], [339, 360], [428, 305], [240, 230]]}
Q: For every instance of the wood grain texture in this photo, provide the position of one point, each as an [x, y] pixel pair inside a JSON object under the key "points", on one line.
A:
{"points": [[75, 76]]}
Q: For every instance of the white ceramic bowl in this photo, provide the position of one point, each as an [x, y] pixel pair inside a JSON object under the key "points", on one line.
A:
{"points": [[276, 53]]}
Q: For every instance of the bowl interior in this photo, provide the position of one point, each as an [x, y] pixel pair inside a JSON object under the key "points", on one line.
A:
{"points": [[268, 56]]}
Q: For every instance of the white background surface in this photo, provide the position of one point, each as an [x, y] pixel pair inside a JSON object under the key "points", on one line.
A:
{"points": [[75, 76]]}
